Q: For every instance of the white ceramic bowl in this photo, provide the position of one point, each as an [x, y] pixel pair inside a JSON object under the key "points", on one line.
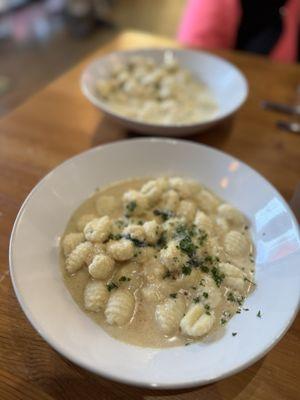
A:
{"points": [[51, 310], [227, 83]]}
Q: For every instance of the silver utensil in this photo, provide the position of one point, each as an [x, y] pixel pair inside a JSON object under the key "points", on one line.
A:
{"points": [[289, 126], [281, 107]]}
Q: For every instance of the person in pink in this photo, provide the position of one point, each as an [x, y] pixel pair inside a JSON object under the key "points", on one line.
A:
{"points": [[269, 27]]}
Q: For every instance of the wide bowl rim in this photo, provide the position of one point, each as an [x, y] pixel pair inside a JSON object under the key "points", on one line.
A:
{"points": [[114, 376], [97, 102]]}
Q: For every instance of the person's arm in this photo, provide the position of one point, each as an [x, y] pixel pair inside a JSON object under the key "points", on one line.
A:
{"points": [[210, 23]]}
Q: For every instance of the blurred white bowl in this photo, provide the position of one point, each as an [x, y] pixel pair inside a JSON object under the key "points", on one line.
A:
{"points": [[227, 83], [39, 286]]}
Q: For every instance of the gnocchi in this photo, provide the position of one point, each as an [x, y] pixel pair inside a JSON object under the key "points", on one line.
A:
{"points": [[162, 93], [158, 262]]}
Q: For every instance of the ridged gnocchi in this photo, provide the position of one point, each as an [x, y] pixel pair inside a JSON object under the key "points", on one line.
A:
{"points": [[98, 229], [71, 241], [120, 307], [169, 314], [197, 322], [158, 262], [236, 244], [101, 267], [95, 296], [78, 257]]}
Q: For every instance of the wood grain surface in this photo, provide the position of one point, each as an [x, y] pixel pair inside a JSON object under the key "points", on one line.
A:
{"points": [[57, 123]]}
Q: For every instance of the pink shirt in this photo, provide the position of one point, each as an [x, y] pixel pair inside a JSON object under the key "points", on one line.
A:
{"points": [[214, 24]]}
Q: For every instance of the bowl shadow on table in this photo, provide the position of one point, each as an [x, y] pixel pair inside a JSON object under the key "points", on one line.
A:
{"points": [[89, 386], [109, 131]]}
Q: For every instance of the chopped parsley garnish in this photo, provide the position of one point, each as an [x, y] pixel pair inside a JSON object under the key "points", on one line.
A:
{"points": [[207, 312], [258, 314], [117, 236], [245, 309], [196, 299], [124, 279], [207, 307], [110, 286], [163, 214], [130, 207], [202, 282], [248, 280], [234, 333], [204, 268], [187, 344], [217, 276], [223, 321], [186, 270], [238, 311], [167, 274], [136, 242], [202, 237], [205, 294], [162, 241], [231, 297], [187, 246], [173, 295], [239, 301]]}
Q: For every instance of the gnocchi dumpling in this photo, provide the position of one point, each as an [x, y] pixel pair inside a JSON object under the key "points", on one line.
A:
{"points": [[135, 203], [71, 241], [97, 248], [152, 231], [120, 307], [101, 267], [169, 314], [181, 186], [98, 230], [135, 232], [207, 201], [152, 190], [170, 200], [231, 215], [197, 322], [83, 220], [95, 296], [236, 244], [120, 250], [187, 209], [234, 277], [172, 257], [78, 257], [204, 222]]}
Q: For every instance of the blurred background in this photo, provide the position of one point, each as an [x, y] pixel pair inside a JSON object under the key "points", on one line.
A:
{"points": [[41, 39]]}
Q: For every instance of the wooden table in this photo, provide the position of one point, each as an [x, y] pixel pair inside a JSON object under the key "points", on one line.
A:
{"points": [[57, 123]]}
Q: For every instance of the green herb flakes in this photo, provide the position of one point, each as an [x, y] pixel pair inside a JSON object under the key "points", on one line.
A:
{"points": [[124, 279], [217, 276], [130, 207], [110, 286], [163, 214], [186, 270], [186, 245]]}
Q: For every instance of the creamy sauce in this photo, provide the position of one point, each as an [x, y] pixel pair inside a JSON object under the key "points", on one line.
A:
{"points": [[143, 328]]}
